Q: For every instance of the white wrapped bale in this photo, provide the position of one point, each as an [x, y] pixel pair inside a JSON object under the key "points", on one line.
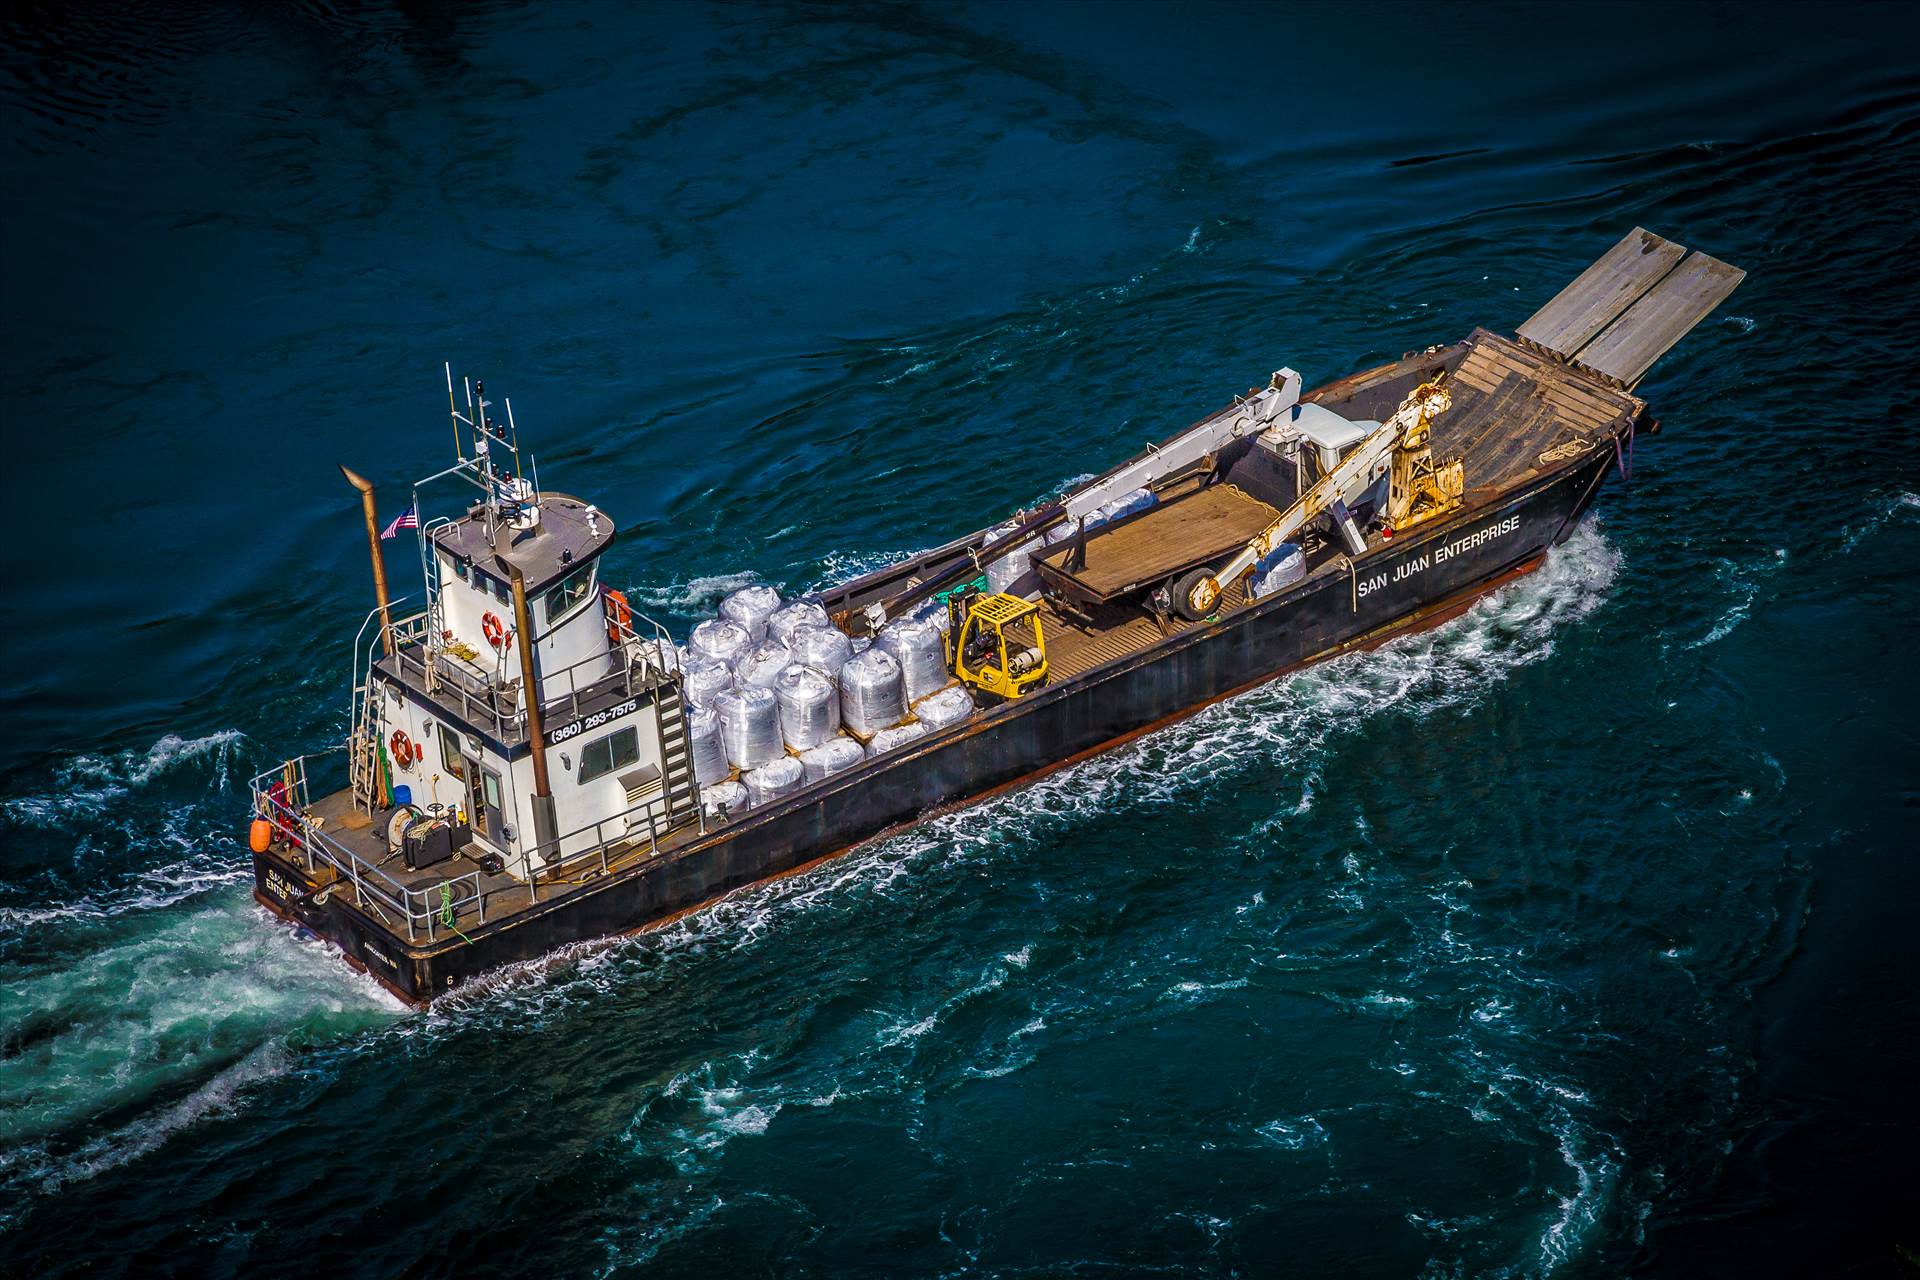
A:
{"points": [[1279, 569], [809, 707], [724, 798], [761, 668], [949, 706], [709, 754], [934, 614], [835, 755], [1011, 567], [825, 649], [749, 608], [704, 680], [900, 736], [861, 644], [921, 653], [749, 726], [720, 640], [1123, 506], [793, 617], [871, 694], [774, 779]]}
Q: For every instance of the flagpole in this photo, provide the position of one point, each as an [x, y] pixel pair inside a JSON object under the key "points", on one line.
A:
{"points": [[373, 547]]}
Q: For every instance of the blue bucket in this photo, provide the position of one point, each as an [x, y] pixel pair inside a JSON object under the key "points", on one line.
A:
{"points": [[402, 795]]}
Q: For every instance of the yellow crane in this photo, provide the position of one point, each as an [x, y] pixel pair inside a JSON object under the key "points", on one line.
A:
{"points": [[1418, 489]]}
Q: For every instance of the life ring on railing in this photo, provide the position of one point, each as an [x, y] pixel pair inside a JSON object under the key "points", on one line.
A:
{"points": [[402, 748], [619, 618], [495, 630]]}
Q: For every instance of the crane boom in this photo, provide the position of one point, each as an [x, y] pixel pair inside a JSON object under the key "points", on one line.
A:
{"points": [[1351, 477], [1246, 417]]}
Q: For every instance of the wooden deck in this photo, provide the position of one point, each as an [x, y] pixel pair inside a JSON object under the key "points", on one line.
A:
{"points": [[504, 893], [1073, 647], [1513, 407], [1188, 531]]}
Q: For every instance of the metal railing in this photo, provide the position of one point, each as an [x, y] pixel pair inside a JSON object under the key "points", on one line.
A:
{"points": [[422, 657], [658, 811], [280, 795]]}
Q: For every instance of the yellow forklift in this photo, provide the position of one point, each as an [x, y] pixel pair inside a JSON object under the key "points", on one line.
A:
{"points": [[994, 642]]}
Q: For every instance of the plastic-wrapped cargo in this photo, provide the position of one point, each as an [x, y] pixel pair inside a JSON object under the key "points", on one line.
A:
{"points": [[774, 779], [933, 613], [1012, 566], [860, 644], [835, 755], [921, 653], [750, 607], [871, 693], [899, 736], [749, 726], [792, 617], [1125, 505], [763, 666], [704, 680], [721, 640], [949, 706], [825, 649], [724, 797], [704, 746], [809, 707], [1274, 572]]}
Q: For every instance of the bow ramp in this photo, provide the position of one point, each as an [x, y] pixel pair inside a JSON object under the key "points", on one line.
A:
{"points": [[1630, 307]]}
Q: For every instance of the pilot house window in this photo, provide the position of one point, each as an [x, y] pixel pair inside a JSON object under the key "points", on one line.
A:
{"points": [[603, 755], [573, 588]]}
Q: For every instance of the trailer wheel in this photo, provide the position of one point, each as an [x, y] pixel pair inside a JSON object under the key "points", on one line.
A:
{"points": [[1183, 588]]}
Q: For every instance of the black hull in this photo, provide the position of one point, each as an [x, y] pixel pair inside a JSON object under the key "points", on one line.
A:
{"points": [[1423, 578]]}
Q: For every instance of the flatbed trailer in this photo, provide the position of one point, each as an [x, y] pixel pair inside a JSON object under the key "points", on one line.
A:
{"points": [[1101, 565]]}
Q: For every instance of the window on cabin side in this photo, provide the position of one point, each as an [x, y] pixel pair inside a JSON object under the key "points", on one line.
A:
{"points": [[615, 751], [450, 757]]}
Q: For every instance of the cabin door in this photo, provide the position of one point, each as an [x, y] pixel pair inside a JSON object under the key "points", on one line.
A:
{"points": [[484, 802]]}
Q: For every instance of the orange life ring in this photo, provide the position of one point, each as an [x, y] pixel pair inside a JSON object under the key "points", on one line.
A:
{"points": [[495, 630], [619, 617], [402, 747]]}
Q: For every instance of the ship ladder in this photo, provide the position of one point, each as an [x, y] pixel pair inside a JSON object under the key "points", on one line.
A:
{"points": [[363, 756], [681, 791]]}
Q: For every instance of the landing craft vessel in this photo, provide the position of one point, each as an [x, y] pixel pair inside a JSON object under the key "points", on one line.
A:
{"points": [[532, 762]]}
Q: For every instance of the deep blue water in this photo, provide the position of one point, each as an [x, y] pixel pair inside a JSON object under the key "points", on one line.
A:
{"points": [[1576, 937]]}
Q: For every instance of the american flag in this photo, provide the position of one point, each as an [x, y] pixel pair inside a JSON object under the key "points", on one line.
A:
{"points": [[405, 520]]}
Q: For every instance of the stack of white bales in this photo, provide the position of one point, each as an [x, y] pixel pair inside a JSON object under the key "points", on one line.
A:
{"points": [[763, 686]]}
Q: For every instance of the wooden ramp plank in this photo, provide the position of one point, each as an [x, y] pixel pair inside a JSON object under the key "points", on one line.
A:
{"points": [[1631, 344], [1599, 294]]}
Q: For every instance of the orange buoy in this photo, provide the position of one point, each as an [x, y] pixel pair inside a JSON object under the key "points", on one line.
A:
{"points": [[619, 617], [260, 835], [495, 630]]}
